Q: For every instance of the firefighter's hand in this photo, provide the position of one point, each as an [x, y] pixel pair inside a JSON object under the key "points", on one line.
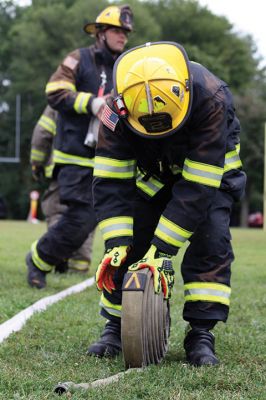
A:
{"points": [[111, 261], [37, 172], [97, 106], [160, 265]]}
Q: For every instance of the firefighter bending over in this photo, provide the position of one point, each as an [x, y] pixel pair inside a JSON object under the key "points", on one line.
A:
{"points": [[167, 171]]}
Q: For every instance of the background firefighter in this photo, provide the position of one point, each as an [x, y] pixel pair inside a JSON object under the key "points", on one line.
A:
{"points": [[78, 91], [167, 171], [42, 165]]}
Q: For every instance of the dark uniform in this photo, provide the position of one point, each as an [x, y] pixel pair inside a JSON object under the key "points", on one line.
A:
{"points": [[70, 91], [41, 159], [169, 190]]}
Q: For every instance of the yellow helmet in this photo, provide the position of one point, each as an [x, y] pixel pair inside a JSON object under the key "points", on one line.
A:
{"points": [[154, 83], [117, 16]]}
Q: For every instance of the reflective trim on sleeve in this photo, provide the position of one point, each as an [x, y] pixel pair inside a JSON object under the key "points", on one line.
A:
{"points": [[171, 233], [112, 168], [37, 155], [112, 309], [116, 226], [202, 173], [207, 291], [42, 265], [232, 160], [81, 102], [150, 187], [48, 124], [63, 158], [59, 85]]}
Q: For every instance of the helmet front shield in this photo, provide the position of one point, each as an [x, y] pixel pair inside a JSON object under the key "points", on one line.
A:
{"points": [[155, 84]]}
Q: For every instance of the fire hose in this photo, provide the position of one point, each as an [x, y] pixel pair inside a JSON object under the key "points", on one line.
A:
{"points": [[145, 325], [145, 329]]}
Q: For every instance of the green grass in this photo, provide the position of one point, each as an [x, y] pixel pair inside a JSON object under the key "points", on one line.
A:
{"points": [[51, 346]]}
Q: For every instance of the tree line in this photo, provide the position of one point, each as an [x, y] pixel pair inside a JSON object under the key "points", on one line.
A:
{"points": [[36, 38]]}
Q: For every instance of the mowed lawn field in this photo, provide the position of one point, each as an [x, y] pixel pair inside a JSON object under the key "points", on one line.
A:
{"points": [[51, 347]]}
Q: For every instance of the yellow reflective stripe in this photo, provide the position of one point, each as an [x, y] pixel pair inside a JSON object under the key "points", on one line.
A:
{"points": [[81, 102], [79, 265], [171, 233], [64, 158], [49, 170], [206, 174], [150, 187], [60, 85], [232, 160], [112, 168], [113, 309], [42, 265], [116, 226], [48, 124], [207, 291], [37, 155]]}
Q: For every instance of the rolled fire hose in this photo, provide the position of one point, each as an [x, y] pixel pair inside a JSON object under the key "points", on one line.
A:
{"points": [[145, 323], [145, 329]]}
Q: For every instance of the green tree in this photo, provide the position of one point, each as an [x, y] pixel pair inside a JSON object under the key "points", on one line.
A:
{"points": [[36, 38]]}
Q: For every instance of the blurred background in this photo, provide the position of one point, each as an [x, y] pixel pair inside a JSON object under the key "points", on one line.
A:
{"points": [[36, 36]]}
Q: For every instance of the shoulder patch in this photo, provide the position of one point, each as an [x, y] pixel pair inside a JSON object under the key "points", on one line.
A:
{"points": [[70, 62], [109, 118]]}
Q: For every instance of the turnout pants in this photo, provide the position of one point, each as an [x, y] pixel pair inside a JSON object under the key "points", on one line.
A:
{"points": [[77, 221], [206, 265], [53, 209]]}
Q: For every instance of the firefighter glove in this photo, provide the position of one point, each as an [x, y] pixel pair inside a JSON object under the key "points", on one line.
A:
{"points": [[112, 260], [97, 106], [160, 265], [37, 172]]}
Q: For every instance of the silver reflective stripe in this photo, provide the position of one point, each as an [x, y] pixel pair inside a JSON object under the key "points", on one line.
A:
{"points": [[205, 174], [171, 233], [64, 158], [116, 227], [212, 292]]}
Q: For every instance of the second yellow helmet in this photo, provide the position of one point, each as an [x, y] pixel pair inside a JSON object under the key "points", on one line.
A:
{"points": [[117, 16]]}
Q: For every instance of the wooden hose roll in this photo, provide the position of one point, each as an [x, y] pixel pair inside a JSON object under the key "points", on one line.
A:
{"points": [[145, 323]]}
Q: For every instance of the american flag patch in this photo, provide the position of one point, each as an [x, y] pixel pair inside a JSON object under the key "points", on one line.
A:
{"points": [[70, 62], [109, 118]]}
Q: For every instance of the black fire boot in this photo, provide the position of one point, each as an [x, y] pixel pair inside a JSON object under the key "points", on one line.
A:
{"points": [[36, 277], [199, 347], [61, 268], [109, 344]]}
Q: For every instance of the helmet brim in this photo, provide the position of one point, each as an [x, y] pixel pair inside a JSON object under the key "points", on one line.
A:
{"points": [[93, 28]]}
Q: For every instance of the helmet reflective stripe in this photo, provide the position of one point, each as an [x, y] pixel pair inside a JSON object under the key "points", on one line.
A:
{"points": [[117, 16], [154, 81]]}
